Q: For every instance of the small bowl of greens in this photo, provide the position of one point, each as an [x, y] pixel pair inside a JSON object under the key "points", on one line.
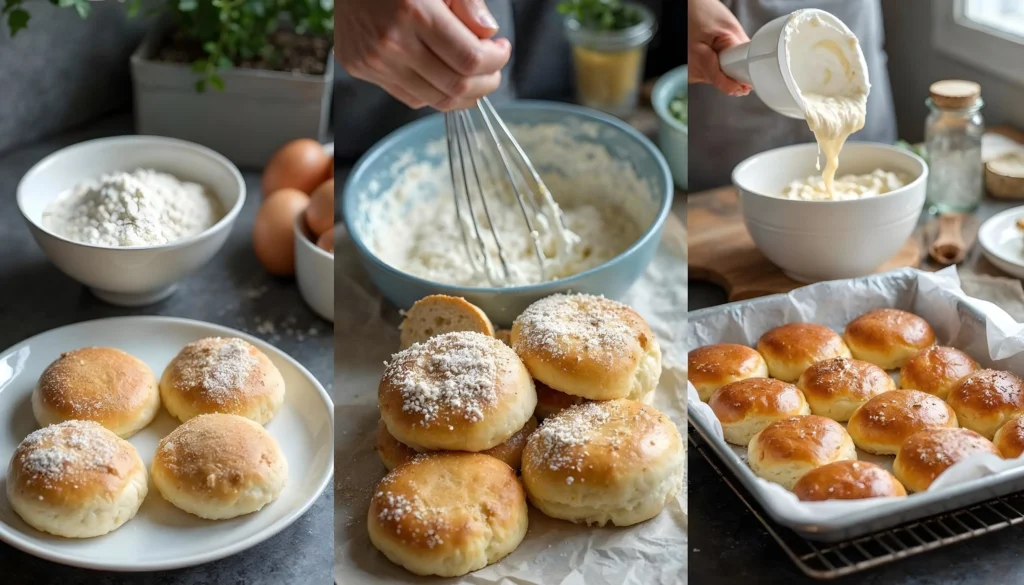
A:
{"points": [[671, 101]]}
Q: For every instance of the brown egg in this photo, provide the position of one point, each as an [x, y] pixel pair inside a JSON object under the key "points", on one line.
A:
{"points": [[326, 241], [301, 164], [320, 213], [331, 173], [273, 235]]}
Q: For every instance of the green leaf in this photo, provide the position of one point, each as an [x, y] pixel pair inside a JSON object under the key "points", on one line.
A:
{"points": [[224, 63], [200, 85], [17, 19], [217, 82], [187, 5], [210, 47], [133, 8], [199, 65]]}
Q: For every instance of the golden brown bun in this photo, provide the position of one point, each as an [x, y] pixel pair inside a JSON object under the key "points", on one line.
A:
{"points": [[746, 407], [835, 388], [76, 479], [219, 466], [936, 370], [588, 346], [787, 449], [448, 514], [460, 391], [617, 461], [883, 423], [222, 375], [437, 314], [713, 366], [888, 337], [100, 384], [926, 454], [551, 402], [394, 453], [986, 399], [790, 349], [504, 336], [847, 480], [1009, 438]]}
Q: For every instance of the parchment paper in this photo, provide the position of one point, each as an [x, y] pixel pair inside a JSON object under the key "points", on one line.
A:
{"points": [[651, 553], [995, 342]]}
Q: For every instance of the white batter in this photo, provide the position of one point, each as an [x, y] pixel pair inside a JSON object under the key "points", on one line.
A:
{"points": [[606, 206], [845, 187]]}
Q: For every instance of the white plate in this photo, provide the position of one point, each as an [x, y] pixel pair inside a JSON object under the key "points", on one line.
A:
{"points": [[1003, 243], [162, 537]]}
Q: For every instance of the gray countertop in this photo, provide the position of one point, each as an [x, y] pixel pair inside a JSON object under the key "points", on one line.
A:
{"points": [[232, 290]]}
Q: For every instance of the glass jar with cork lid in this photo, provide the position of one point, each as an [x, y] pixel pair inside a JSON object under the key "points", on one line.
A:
{"points": [[952, 134]]}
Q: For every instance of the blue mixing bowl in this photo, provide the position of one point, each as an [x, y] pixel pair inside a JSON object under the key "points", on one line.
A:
{"points": [[611, 279]]}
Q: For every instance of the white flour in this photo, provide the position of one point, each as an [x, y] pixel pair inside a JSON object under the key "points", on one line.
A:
{"points": [[141, 208]]}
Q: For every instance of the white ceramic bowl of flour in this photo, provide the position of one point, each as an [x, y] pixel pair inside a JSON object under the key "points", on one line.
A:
{"points": [[135, 275]]}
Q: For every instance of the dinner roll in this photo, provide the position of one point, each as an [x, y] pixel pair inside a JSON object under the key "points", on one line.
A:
{"points": [[986, 399], [588, 346], [746, 407], [100, 384], [437, 314], [76, 479], [617, 462], [219, 466], [936, 370], [887, 337], [883, 423], [713, 366], [1009, 438], [847, 480], [790, 349], [393, 453], [448, 514], [222, 375], [835, 388], [460, 391], [551, 402], [787, 449], [926, 454]]}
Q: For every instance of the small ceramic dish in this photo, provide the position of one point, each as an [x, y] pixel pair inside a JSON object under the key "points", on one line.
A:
{"points": [[314, 266], [1002, 242], [673, 134]]}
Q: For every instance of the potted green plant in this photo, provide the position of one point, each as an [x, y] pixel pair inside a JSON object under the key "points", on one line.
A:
{"points": [[240, 76]]}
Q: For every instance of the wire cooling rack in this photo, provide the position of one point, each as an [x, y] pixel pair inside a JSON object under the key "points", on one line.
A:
{"points": [[832, 560]]}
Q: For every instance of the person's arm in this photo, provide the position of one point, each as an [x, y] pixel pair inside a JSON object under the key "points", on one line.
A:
{"points": [[422, 52], [711, 30]]}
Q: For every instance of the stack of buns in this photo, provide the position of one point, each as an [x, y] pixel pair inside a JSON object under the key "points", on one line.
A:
{"points": [[78, 477], [460, 405], [807, 398]]}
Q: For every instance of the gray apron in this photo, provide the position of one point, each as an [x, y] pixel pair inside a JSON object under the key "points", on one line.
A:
{"points": [[727, 129]]}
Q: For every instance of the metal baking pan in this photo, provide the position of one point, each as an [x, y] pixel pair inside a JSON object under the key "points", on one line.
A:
{"points": [[885, 515]]}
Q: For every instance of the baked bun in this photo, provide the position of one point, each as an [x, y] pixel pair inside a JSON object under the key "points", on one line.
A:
{"points": [[100, 384], [219, 466], [222, 375], [713, 366], [588, 346], [835, 388], [615, 462], [936, 370], [460, 391], [986, 399], [551, 402], [76, 479], [448, 514], [888, 337], [746, 407], [926, 454], [504, 336], [790, 349], [437, 314], [787, 449], [393, 453], [883, 423], [1009, 438], [847, 480]]}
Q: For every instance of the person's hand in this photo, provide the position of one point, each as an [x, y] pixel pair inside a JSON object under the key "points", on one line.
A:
{"points": [[712, 29], [423, 52]]}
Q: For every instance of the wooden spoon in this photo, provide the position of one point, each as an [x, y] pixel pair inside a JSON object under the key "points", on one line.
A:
{"points": [[949, 247]]}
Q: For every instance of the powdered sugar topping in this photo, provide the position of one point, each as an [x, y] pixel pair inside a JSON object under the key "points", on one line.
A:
{"points": [[219, 366], [396, 508], [51, 453], [563, 438], [588, 324]]}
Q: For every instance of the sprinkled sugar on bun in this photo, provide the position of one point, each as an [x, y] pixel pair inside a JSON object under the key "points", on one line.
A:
{"points": [[222, 375], [617, 462], [835, 388], [448, 514], [460, 391], [936, 370], [882, 424], [888, 337], [986, 399], [714, 366], [926, 454], [101, 384], [588, 346], [393, 453], [76, 479], [792, 348]]}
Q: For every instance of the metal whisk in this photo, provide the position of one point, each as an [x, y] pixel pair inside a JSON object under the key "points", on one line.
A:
{"points": [[469, 159]]}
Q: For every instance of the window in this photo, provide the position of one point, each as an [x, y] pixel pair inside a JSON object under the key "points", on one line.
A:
{"points": [[987, 34]]}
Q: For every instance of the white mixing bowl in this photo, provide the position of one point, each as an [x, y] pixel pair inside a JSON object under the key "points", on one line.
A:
{"points": [[828, 240]]}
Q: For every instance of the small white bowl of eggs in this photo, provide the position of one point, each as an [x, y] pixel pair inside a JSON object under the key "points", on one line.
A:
{"points": [[293, 233]]}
